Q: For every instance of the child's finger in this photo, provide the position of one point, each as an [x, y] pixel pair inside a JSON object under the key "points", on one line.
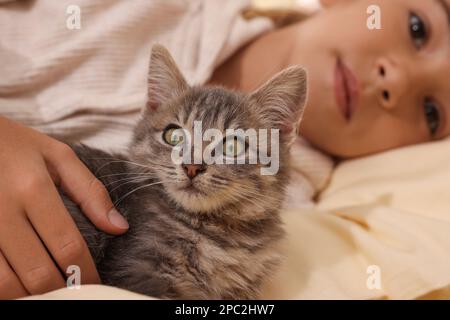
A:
{"points": [[10, 285], [27, 256], [59, 232], [87, 191]]}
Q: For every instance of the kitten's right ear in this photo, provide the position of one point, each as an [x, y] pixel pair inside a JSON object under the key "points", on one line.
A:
{"points": [[165, 80], [281, 101]]}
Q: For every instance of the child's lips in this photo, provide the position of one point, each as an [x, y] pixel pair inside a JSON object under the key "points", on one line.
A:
{"points": [[346, 89]]}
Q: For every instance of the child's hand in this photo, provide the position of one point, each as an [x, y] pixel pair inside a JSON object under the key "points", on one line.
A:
{"points": [[38, 238]]}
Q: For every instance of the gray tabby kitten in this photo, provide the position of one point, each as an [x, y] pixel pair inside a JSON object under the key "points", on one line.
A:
{"points": [[196, 231]]}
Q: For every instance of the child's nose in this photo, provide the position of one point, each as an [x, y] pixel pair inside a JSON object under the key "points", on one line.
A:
{"points": [[392, 83]]}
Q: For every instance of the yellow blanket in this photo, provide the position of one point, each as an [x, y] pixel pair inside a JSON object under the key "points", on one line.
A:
{"points": [[380, 230]]}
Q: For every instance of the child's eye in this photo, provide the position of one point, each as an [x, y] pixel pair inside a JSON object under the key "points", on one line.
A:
{"points": [[432, 116], [418, 30]]}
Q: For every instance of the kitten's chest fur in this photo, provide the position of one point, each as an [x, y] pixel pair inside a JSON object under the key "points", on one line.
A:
{"points": [[169, 252]]}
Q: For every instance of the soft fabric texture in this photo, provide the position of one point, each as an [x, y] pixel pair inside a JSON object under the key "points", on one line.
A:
{"points": [[389, 210], [311, 172], [90, 292]]}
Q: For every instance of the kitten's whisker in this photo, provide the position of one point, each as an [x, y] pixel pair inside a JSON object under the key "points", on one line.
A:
{"points": [[129, 178], [118, 160], [132, 180], [136, 164], [250, 195], [138, 188], [122, 174], [161, 165], [123, 161], [258, 196], [239, 198], [251, 191], [243, 198]]}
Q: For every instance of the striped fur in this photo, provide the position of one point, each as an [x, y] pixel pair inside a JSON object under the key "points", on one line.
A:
{"points": [[218, 242]]}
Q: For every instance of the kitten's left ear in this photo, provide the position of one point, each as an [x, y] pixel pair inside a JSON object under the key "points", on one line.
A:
{"points": [[165, 80], [281, 101]]}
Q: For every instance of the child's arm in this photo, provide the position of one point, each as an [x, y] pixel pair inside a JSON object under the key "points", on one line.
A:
{"points": [[38, 238]]}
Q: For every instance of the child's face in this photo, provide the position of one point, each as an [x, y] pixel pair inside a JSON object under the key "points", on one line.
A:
{"points": [[402, 90]]}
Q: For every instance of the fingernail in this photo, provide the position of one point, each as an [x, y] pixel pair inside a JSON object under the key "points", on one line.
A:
{"points": [[117, 219]]}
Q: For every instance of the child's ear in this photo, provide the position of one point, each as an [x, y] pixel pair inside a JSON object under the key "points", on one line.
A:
{"points": [[165, 80], [281, 101]]}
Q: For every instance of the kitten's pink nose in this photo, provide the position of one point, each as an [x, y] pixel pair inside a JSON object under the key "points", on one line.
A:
{"points": [[192, 170]]}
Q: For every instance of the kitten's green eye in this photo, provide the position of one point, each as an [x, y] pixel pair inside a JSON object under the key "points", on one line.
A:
{"points": [[233, 147], [173, 135], [418, 30]]}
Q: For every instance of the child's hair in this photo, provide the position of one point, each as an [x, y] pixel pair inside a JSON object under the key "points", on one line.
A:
{"points": [[280, 17]]}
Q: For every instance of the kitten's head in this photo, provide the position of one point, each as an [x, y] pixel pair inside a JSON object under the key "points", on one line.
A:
{"points": [[200, 187]]}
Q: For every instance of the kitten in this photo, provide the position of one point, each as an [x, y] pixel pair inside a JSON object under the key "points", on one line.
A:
{"points": [[196, 231]]}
